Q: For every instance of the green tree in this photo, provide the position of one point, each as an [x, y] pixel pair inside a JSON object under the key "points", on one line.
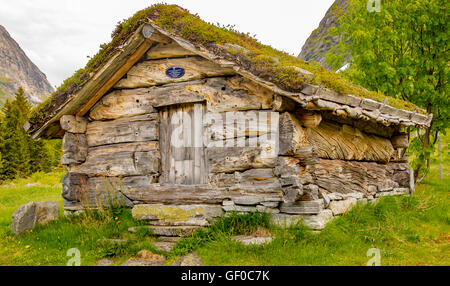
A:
{"points": [[15, 142], [20, 155], [401, 51]]}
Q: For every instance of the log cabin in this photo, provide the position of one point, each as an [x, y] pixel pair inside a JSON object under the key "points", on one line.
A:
{"points": [[184, 121]]}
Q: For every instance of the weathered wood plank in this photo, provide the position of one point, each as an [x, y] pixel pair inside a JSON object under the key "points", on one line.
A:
{"points": [[132, 59], [184, 152], [130, 159], [151, 73], [131, 129]]}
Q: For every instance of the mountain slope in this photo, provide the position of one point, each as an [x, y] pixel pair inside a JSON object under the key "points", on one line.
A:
{"points": [[320, 41], [17, 70]]}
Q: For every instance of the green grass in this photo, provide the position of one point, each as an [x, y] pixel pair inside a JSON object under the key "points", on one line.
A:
{"points": [[408, 230]]}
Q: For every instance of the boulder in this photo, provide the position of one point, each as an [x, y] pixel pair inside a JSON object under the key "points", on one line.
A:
{"points": [[24, 218], [46, 211], [27, 216]]}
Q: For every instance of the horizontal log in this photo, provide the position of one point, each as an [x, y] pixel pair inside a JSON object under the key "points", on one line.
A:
{"points": [[351, 176], [122, 103], [220, 126], [250, 177], [130, 129], [230, 159], [151, 73], [164, 51], [130, 159], [141, 189]]}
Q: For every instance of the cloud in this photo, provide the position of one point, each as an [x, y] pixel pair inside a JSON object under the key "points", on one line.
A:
{"points": [[58, 35]]}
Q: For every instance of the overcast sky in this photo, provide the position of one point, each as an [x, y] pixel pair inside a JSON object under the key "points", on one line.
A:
{"points": [[59, 35]]}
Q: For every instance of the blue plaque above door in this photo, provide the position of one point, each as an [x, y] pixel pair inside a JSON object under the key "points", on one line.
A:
{"points": [[175, 72]]}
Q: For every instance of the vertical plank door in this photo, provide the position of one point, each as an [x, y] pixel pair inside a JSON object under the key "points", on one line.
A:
{"points": [[181, 144]]}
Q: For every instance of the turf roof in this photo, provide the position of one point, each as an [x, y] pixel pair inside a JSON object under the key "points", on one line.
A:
{"points": [[259, 61]]}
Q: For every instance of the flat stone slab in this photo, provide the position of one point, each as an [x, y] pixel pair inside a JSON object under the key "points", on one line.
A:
{"points": [[164, 245], [315, 222], [169, 238], [105, 262], [168, 230], [111, 240], [303, 207], [142, 262], [252, 240], [192, 259]]}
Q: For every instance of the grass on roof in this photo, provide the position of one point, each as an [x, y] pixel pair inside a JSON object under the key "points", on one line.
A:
{"points": [[180, 22]]}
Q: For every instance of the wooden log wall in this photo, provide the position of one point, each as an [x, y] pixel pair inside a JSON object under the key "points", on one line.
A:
{"points": [[273, 156]]}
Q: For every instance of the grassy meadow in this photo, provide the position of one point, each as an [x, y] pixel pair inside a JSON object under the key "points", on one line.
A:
{"points": [[407, 230]]}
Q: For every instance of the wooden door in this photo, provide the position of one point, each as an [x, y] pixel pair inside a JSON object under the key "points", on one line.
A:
{"points": [[181, 143]]}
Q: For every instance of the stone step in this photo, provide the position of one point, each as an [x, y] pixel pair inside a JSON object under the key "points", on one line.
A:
{"points": [[169, 238], [171, 231], [164, 245]]}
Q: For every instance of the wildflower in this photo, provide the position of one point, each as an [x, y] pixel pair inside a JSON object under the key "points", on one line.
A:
{"points": [[27, 246]]}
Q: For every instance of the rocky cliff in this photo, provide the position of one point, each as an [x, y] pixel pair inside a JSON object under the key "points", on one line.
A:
{"points": [[320, 41], [17, 70]]}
